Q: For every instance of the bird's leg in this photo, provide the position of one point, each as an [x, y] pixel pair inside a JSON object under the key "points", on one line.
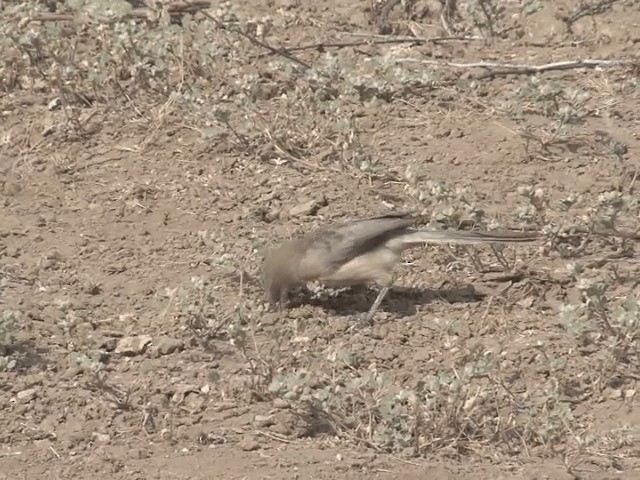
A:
{"points": [[368, 317], [282, 301], [376, 304]]}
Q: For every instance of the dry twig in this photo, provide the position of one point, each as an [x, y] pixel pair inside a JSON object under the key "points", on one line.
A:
{"points": [[503, 69], [448, 10], [380, 40], [586, 10]]}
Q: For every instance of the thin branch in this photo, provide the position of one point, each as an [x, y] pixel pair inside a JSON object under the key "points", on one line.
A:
{"points": [[257, 42], [373, 41], [504, 69], [448, 10], [608, 232], [382, 15], [446, 38], [585, 10]]}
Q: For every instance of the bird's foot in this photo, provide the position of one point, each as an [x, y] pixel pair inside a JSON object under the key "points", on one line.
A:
{"points": [[362, 320], [368, 317]]}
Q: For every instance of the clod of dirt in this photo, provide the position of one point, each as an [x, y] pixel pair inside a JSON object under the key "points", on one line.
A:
{"points": [[272, 215], [269, 319], [25, 396], [385, 353], [263, 420], [249, 444], [116, 268], [92, 288], [338, 324], [133, 345], [108, 344], [71, 372], [168, 345], [281, 403], [9, 189], [286, 423], [380, 331], [101, 437], [310, 207], [194, 402]]}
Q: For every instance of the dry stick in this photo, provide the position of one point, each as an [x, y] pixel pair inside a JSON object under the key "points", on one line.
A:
{"points": [[373, 41], [382, 18], [585, 10], [447, 12], [446, 38], [522, 69], [606, 232]]}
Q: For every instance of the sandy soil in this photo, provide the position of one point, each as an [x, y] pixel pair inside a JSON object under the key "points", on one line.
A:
{"points": [[130, 246]]}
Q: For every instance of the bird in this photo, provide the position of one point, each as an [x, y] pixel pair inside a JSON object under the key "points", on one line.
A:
{"points": [[359, 252]]}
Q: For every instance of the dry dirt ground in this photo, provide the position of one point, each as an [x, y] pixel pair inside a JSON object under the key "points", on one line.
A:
{"points": [[135, 211]]}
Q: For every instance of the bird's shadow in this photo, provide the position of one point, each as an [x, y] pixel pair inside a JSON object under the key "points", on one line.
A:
{"points": [[399, 300]]}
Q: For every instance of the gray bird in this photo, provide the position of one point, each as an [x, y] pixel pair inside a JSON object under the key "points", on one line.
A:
{"points": [[359, 252]]}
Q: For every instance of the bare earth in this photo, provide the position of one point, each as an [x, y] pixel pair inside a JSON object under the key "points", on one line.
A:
{"points": [[131, 233]]}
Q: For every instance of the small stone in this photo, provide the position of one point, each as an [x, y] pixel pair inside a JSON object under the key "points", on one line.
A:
{"points": [[615, 394], [285, 424], [385, 353], [25, 396], [249, 444], [92, 288], [338, 324], [380, 331], [101, 437], [272, 215], [167, 345], [270, 318], [194, 402], [71, 372], [263, 420], [116, 268], [108, 344], [309, 207], [280, 403], [55, 103], [133, 345]]}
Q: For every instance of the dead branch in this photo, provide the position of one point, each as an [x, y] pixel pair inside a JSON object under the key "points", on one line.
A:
{"points": [[608, 232], [448, 10], [373, 41], [408, 38], [381, 15], [586, 10], [503, 69]]}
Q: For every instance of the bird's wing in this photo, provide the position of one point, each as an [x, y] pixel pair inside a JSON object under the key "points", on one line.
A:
{"points": [[336, 246]]}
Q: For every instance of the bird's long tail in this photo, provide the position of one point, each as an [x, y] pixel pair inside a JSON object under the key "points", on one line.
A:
{"points": [[459, 236]]}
